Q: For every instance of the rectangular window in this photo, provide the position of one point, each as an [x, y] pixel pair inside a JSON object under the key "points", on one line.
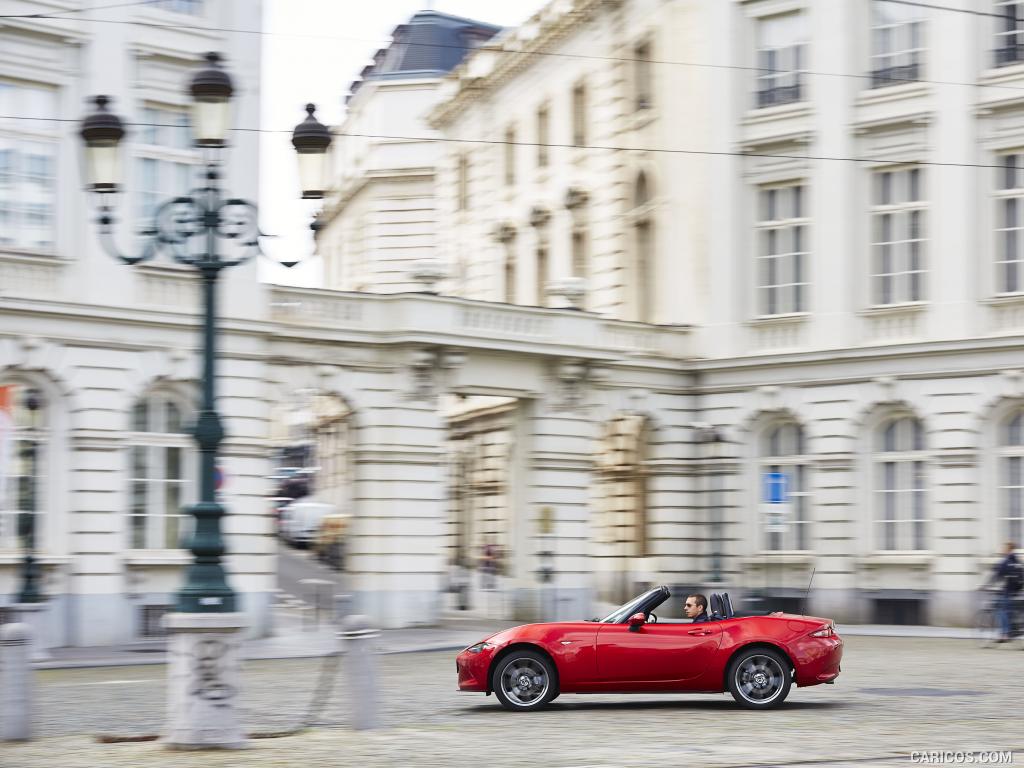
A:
{"points": [[28, 166], [165, 159], [781, 42], [898, 236], [1009, 220], [642, 81], [1012, 497], [542, 275], [510, 155], [580, 267], [1009, 43], [897, 43], [782, 250], [543, 118], [579, 115]]}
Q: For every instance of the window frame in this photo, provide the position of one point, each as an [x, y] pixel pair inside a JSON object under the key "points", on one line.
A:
{"points": [[1002, 194], [155, 442], [779, 95], [1006, 54], [896, 74], [915, 459], [799, 523], [763, 225], [643, 74], [181, 155], [42, 434], [44, 132], [900, 284], [543, 128], [1010, 453]]}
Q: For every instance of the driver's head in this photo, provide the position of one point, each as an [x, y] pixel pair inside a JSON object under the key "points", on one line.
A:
{"points": [[695, 605]]}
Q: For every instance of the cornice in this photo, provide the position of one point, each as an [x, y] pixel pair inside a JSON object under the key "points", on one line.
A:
{"points": [[511, 61]]}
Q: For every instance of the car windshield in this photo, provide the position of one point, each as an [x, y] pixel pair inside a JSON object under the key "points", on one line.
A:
{"points": [[622, 613]]}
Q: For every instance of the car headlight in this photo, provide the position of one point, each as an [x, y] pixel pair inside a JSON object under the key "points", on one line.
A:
{"points": [[480, 647]]}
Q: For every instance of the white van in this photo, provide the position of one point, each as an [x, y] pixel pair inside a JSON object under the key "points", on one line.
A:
{"points": [[300, 521]]}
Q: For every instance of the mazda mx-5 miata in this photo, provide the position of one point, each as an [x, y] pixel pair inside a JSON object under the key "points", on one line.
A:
{"points": [[755, 658]]}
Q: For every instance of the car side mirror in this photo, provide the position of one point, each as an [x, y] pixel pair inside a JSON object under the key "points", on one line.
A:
{"points": [[636, 621]]}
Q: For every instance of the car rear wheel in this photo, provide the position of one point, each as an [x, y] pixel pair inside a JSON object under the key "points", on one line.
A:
{"points": [[759, 679], [524, 680]]}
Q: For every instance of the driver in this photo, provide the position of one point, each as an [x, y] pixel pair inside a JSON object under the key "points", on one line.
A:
{"points": [[696, 608]]}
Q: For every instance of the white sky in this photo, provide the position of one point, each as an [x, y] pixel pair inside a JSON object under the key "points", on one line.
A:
{"points": [[314, 50]]}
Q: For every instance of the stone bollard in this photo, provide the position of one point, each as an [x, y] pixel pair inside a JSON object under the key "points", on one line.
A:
{"points": [[15, 682], [361, 670]]}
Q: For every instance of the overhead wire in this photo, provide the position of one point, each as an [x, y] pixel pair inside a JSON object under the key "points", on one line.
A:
{"points": [[61, 14], [553, 54], [557, 145]]}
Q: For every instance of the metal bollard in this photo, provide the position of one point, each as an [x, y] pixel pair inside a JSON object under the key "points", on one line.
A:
{"points": [[15, 682], [361, 670]]}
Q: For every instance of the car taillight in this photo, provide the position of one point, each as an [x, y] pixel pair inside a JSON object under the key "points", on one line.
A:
{"points": [[828, 631]]}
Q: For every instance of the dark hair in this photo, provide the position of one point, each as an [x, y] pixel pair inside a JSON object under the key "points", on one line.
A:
{"points": [[701, 601]]}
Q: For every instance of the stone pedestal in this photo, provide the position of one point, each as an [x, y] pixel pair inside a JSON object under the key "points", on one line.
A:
{"points": [[203, 680], [35, 616]]}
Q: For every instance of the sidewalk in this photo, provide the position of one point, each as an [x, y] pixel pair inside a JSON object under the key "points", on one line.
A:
{"points": [[296, 643]]}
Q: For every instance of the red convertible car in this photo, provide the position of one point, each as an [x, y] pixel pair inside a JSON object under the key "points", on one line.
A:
{"points": [[755, 658]]}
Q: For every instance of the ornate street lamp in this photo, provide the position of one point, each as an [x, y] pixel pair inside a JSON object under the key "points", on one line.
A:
{"points": [[29, 592], [714, 442], [201, 695], [205, 215]]}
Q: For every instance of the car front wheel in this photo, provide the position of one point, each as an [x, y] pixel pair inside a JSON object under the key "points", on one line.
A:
{"points": [[524, 680], [759, 679]]}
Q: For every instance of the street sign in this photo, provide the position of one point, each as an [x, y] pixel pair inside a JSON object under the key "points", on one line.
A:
{"points": [[776, 506], [776, 488]]}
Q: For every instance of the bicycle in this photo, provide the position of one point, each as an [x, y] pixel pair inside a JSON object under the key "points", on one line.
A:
{"points": [[987, 627]]}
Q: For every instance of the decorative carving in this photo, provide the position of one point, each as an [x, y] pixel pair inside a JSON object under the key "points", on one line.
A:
{"points": [[428, 273], [423, 365], [572, 289], [504, 233], [539, 216], [575, 198], [571, 374]]}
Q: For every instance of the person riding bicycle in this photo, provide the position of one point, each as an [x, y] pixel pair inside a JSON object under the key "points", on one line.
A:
{"points": [[1009, 571]]}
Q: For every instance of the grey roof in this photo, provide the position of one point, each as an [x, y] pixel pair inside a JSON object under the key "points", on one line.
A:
{"points": [[430, 44]]}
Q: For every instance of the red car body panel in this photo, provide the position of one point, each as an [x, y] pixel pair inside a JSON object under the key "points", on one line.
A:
{"points": [[592, 657]]}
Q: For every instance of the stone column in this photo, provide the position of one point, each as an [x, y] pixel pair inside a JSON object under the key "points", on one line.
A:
{"points": [[203, 680]]}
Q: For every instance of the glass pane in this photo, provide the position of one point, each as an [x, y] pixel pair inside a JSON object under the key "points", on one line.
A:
{"points": [[889, 437], [138, 516], [140, 416], [915, 184], [1013, 431], [139, 458], [173, 463], [172, 512], [173, 416], [1009, 180]]}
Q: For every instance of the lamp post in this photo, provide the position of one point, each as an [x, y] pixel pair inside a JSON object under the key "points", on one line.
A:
{"points": [[201, 710], [29, 592], [713, 441]]}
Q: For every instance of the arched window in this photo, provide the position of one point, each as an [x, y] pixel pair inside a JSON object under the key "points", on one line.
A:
{"points": [[900, 484], [24, 442], [1011, 477], [784, 454], [161, 469]]}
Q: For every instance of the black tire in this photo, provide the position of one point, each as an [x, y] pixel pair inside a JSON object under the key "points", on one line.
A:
{"points": [[524, 681], [759, 678]]}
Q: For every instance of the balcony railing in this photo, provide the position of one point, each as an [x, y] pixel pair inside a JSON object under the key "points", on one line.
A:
{"points": [[1008, 54], [780, 94], [905, 73]]}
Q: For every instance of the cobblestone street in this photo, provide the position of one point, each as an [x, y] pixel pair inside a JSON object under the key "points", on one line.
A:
{"points": [[895, 695]]}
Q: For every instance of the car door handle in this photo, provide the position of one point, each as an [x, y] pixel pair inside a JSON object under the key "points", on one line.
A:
{"points": [[699, 632]]}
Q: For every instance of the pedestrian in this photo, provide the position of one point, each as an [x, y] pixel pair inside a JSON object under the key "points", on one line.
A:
{"points": [[1009, 571]]}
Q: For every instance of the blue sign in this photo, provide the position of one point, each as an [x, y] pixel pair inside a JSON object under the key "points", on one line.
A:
{"points": [[776, 488]]}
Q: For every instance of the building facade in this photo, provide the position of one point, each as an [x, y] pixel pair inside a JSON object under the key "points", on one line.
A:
{"points": [[827, 195], [100, 361]]}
